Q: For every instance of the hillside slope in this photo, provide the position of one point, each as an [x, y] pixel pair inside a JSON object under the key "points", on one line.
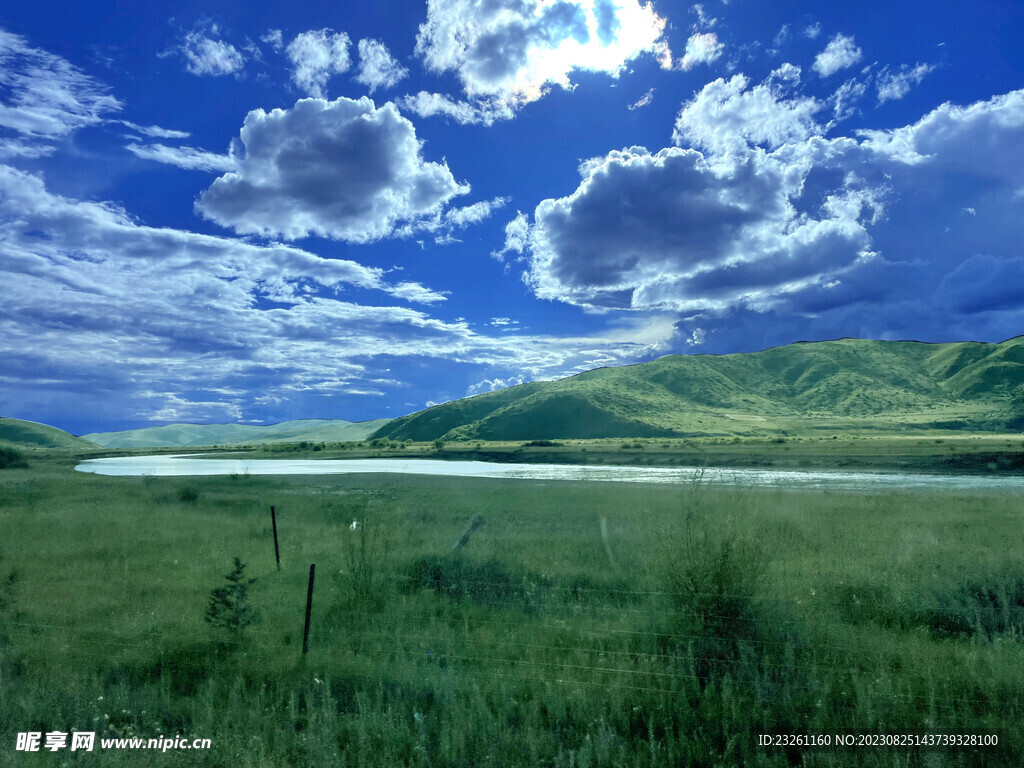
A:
{"points": [[194, 435], [30, 434], [848, 384]]}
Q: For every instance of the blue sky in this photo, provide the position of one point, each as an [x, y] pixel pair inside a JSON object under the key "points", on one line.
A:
{"points": [[256, 212]]}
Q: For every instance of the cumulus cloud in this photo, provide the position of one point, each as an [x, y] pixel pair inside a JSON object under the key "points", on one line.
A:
{"points": [[377, 67], [701, 48], [493, 385], [893, 85], [189, 158], [513, 50], [840, 53], [938, 201], [316, 56], [342, 169], [205, 54], [984, 139], [44, 98], [903, 233], [672, 230], [729, 115]]}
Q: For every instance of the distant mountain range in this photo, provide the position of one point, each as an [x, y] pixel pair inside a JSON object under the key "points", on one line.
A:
{"points": [[194, 435], [804, 388], [844, 386]]}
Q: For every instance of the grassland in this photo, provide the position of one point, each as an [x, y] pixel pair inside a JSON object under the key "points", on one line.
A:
{"points": [[618, 625]]}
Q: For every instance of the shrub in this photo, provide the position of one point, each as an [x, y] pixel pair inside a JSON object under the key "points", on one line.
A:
{"points": [[367, 555], [229, 604], [188, 494], [12, 459], [983, 609], [439, 444], [713, 578]]}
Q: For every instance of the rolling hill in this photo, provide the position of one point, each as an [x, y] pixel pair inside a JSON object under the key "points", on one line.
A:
{"points": [[30, 434], [803, 388], [194, 435]]}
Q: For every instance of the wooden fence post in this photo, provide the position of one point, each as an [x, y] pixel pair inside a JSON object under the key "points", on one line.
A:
{"points": [[309, 610], [277, 551], [464, 540]]}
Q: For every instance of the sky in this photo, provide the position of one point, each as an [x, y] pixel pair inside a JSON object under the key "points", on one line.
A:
{"points": [[253, 212]]}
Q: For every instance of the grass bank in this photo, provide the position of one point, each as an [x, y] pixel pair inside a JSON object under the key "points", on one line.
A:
{"points": [[947, 454]]}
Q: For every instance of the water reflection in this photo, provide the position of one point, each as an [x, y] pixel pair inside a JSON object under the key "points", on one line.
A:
{"points": [[185, 465]]}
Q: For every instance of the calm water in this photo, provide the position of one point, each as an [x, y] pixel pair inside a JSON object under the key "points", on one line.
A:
{"points": [[184, 466]]}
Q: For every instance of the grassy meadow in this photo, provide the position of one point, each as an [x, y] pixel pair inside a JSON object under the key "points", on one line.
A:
{"points": [[582, 625]]}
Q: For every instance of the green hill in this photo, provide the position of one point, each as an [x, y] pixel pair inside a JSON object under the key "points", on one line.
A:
{"points": [[29, 434], [804, 388], [194, 435]]}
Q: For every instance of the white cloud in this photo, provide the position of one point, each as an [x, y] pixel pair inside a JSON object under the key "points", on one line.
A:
{"points": [[702, 48], [812, 31], [343, 169], [726, 114], [697, 337], [840, 53], [512, 52], [517, 236], [483, 112], [44, 98], [892, 86], [985, 138], [846, 97], [155, 131], [207, 55], [643, 101], [703, 20], [673, 230], [178, 409], [189, 158], [316, 56], [377, 67], [416, 293], [274, 39], [493, 385], [473, 214], [442, 225]]}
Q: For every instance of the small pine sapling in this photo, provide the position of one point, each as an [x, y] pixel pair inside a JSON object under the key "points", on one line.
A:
{"points": [[229, 604]]}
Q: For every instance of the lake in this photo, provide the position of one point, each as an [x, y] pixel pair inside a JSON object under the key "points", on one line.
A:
{"points": [[193, 466]]}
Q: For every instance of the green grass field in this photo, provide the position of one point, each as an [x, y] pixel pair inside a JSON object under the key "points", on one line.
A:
{"points": [[583, 625]]}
